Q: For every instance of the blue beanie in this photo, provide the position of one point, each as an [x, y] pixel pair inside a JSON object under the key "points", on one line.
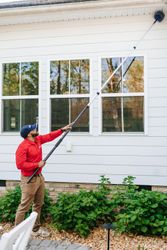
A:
{"points": [[26, 129]]}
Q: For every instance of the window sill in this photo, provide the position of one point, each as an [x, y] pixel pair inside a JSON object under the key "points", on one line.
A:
{"points": [[123, 134]]}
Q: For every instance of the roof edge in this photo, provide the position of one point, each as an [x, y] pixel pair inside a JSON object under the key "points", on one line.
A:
{"points": [[80, 10]]}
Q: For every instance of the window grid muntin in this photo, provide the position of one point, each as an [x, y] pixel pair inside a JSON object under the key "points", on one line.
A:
{"points": [[123, 94], [70, 114], [70, 95], [24, 107], [19, 97], [33, 78], [70, 79]]}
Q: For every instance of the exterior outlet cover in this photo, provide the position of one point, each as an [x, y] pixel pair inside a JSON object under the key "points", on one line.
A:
{"points": [[69, 147]]}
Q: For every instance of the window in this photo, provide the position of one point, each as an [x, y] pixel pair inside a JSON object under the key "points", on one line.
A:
{"points": [[123, 96], [20, 82], [69, 92]]}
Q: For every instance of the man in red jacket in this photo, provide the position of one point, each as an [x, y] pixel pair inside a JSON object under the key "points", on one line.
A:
{"points": [[28, 159]]}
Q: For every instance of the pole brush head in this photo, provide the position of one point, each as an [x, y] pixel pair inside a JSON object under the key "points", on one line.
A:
{"points": [[159, 15]]}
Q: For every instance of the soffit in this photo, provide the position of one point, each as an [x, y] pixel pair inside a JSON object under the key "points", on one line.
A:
{"points": [[68, 10]]}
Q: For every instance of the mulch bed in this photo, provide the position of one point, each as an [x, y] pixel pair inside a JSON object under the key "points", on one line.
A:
{"points": [[97, 240]]}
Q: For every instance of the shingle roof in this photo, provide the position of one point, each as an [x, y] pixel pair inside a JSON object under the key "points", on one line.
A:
{"points": [[29, 3]]}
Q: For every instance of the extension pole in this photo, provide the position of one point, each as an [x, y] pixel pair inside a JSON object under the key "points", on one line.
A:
{"points": [[158, 16]]}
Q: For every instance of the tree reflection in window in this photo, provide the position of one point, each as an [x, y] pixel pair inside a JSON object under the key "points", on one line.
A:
{"points": [[108, 67], [65, 110], [11, 79], [123, 103], [133, 78], [20, 78], [29, 78], [69, 77], [79, 75]]}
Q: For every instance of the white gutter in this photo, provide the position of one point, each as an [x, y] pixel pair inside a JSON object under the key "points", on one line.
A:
{"points": [[79, 10]]}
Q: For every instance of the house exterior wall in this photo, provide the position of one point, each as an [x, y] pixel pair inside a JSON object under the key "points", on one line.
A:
{"points": [[84, 157]]}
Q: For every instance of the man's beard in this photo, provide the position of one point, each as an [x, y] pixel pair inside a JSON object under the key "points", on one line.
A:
{"points": [[34, 134]]}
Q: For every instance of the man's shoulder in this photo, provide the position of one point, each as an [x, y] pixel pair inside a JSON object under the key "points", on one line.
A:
{"points": [[23, 144]]}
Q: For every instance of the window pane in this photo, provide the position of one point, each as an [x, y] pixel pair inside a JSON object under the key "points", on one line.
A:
{"points": [[59, 77], [17, 113], [27, 85], [111, 113], [76, 106], [64, 111], [29, 78], [11, 79], [29, 111], [108, 67], [11, 115], [59, 113], [133, 74], [133, 114], [79, 76]]}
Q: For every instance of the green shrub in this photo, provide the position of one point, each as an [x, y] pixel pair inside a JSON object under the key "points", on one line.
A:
{"points": [[82, 211], [8, 205], [129, 210], [142, 212], [10, 201], [45, 212]]}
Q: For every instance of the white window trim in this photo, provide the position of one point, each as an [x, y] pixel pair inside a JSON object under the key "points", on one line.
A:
{"points": [[1, 98], [51, 96], [20, 97], [145, 132]]}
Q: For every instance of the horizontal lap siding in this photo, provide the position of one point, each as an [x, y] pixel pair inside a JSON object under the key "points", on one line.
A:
{"points": [[143, 156], [157, 120], [100, 160]]}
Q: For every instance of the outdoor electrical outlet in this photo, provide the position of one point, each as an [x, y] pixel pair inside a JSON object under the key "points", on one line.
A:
{"points": [[69, 147]]}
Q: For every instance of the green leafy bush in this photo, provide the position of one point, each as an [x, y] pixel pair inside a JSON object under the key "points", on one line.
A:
{"points": [[10, 201], [45, 212], [142, 212], [82, 211], [8, 205], [127, 208]]}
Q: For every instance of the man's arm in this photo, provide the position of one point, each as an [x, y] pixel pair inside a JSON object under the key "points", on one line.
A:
{"points": [[53, 135]]}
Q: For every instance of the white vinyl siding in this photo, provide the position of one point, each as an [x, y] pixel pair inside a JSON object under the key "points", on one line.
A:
{"points": [[94, 154]]}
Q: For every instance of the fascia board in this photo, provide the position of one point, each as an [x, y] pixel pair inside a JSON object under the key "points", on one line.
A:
{"points": [[79, 11]]}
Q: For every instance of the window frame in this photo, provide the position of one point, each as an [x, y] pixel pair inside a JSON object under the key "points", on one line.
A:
{"points": [[144, 94], [19, 97], [68, 96]]}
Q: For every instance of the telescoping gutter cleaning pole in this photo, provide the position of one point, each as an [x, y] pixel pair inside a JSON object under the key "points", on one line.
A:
{"points": [[158, 16]]}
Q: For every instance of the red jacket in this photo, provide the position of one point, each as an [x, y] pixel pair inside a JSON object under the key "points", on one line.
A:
{"points": [[29, 153]]}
